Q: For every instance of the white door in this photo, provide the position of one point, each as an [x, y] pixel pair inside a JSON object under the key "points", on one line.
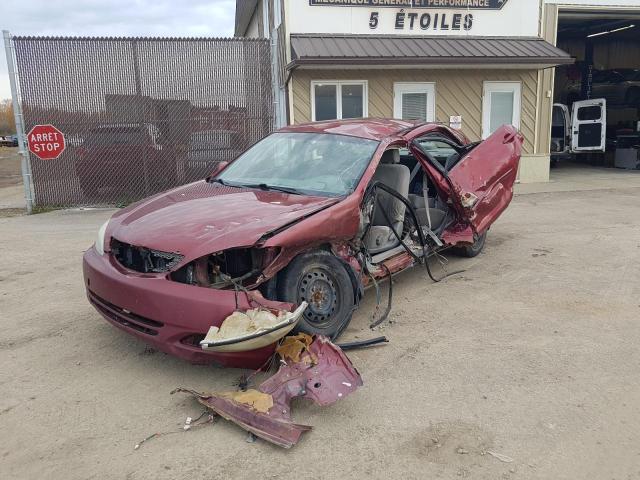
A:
{"points": [[589, 125], [560, 129], [500, 106], [414, 101]]}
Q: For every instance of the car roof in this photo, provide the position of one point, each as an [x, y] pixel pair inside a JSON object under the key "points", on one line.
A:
{"points": [[369, 128]]}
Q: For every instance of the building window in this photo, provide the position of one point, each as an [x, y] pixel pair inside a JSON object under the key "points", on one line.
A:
{"points": [[500, 106], [336, 100], [414, 101]]}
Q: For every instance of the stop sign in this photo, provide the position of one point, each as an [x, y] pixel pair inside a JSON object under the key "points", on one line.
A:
{"points": [[46, 142]]}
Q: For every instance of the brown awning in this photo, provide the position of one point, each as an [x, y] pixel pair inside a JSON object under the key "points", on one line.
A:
{"points": [[378, 50]]}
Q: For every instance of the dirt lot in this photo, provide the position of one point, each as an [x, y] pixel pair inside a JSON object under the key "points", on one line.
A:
{"points": [[9, 167], [531, 353]]}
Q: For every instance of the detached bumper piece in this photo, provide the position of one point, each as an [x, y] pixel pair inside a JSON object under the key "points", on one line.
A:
{"points": [[253, 329], [316, 369]]}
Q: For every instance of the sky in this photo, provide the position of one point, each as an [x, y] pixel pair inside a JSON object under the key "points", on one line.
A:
{"points": [[186, 18]]}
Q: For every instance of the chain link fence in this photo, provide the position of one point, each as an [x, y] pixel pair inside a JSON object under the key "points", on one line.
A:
{"points": [[140, 115]]}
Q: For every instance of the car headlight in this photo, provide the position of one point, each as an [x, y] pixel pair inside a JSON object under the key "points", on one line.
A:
{"points": [[99, 245]]}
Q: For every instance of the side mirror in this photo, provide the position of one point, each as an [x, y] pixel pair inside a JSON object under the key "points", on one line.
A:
{"points": [[218, 168]]}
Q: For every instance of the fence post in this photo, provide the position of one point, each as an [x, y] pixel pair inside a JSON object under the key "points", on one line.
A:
{"points": [[19, 119], [142, 115]]}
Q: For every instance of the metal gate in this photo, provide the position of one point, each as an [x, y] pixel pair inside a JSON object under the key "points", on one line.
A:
{"points": [[139, 115]]}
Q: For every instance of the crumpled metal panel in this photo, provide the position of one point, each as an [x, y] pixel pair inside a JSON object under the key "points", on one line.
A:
{"points": [[324, 374]]}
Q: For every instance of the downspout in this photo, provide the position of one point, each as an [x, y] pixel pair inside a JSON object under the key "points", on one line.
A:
{"points": [[279, 119]]}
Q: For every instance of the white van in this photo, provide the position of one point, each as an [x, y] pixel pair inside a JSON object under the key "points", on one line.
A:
{"points": [[582, 130]]}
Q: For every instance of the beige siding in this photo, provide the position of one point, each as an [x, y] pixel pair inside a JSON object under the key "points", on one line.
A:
{"points": [[458, 92], [545, 87]]}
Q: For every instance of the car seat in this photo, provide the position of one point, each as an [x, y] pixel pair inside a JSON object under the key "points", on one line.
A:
{"points": [[391, 173]]}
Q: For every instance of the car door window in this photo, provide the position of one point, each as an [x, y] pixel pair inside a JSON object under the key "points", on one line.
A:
{"points": [[439, 150]]}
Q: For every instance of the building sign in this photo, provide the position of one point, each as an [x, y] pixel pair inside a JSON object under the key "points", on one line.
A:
{"points": [[466, 4], [481, 18], [455, 122], [425, 21]]}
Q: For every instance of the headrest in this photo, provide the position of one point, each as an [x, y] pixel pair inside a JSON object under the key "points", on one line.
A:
{"points": [[391, 156]]}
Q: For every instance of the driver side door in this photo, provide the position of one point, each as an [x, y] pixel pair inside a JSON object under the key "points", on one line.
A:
{"points": [[480, 183], [484, 177]]}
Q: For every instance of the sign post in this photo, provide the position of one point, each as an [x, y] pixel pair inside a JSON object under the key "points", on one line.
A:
{"points": [[46, 142]]}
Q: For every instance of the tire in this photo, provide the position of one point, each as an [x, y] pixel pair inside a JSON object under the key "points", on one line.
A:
{"points": [[474, 250], [322, 280]]}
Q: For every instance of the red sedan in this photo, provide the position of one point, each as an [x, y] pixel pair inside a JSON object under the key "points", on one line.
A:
{"points": [[312, 213]]}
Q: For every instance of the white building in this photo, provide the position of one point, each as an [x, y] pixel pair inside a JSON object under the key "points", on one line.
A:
{"points": [[474, 64]]}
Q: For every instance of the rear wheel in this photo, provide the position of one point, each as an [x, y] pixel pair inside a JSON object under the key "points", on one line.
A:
{"points": [[322, 281], [474, 250]]}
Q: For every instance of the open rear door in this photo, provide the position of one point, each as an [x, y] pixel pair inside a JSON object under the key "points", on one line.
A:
{"points": [[589, 124], [484, 178]]}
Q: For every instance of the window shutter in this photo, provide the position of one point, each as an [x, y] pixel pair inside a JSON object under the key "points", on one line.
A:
{"points": [[414, 106]]}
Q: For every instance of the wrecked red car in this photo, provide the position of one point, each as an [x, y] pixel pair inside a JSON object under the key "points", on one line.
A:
{"points": [[312, 213]]}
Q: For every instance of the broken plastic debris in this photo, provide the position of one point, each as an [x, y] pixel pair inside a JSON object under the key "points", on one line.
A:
{"points": [[500, 456], [250, 330], [137, 446], [239, 323], [187, 423], [324, 380]]}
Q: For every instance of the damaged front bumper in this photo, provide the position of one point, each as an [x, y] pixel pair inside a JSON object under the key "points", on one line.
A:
{"points": [[170, 316], [252, 338]]}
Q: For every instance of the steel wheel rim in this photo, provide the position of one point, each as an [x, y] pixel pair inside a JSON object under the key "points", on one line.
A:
{"points": [[318, 288]]}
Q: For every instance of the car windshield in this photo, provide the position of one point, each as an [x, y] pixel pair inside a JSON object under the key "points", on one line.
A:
{"points": [[305, 163]]}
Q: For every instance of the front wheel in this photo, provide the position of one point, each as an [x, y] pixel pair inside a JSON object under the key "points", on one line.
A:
{"points": [[322, 281], [474, 250]]}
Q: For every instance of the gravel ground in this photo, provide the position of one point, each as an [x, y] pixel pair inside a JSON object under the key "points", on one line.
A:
{"points": [[11, 191], [9, 167], [531, 353]]}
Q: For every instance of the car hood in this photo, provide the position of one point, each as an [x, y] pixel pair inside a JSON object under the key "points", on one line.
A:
{"points": [[203, 218]]}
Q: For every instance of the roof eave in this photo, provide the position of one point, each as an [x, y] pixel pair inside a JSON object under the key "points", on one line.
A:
{"points": [[420, 61], [244, 11]]}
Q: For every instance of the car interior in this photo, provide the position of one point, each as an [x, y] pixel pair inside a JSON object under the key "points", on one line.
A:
{"points": [[400, 170]]}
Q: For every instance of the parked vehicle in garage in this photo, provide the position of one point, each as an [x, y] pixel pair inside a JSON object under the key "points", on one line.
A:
{"points": [[620, 87], [312, 213], [582, 130]]}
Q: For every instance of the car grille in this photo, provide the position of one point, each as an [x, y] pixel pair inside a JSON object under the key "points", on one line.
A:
{"points": [[125, 317], [142, 259]]}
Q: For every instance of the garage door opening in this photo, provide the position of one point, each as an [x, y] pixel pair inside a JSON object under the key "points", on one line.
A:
{"points": [[596, 115]]}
